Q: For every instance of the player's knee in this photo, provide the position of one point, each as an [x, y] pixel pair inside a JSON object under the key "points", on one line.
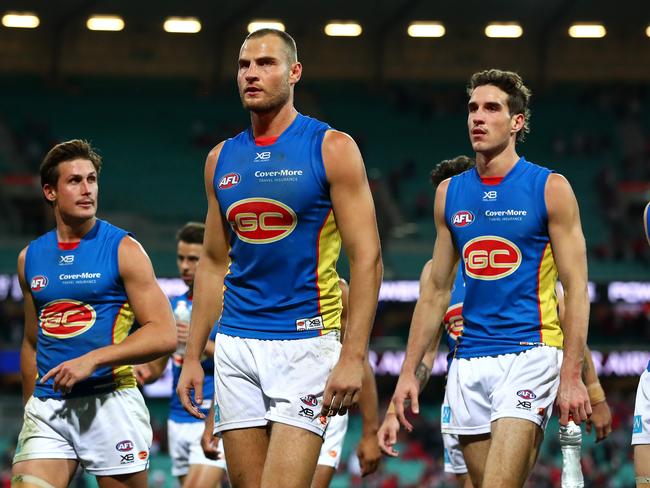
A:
{"points": [[29, 481]]}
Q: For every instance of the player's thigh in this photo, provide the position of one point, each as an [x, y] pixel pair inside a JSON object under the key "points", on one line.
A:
{"points": [[130, 480], [36, 473], [518, 441], [297, 469], [203, 475], [475, 451], [246, 451], [322, 476]]}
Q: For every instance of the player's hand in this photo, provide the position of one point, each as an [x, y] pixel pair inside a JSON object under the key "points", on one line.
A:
{"points": [[406, 394], [573, 400], [387, 434], [182, 332], [191, 380], [369, 454], [209, 441], [601, 420], [342, 387], [69, 373]]}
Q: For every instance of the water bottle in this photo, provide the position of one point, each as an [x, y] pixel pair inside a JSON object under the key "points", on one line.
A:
{"points": [[182, 313], [570, 443]]}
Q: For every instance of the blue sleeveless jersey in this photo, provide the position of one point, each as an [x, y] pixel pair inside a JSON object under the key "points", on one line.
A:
{"points": [[284, 243], [501, 234], [453, 320], [81, 305], [176, 411]]}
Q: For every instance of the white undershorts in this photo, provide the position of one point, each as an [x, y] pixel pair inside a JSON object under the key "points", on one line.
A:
{"points": [[330, 451]]}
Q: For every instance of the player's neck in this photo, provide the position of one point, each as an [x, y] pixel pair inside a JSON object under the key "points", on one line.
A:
{"points": [[69, 229], [274, 122], [496, 165]]}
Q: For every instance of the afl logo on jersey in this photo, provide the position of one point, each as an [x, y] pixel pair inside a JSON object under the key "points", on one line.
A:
{"points": [[490, 258], [38, 283], [66, 318], [261, 220], [229, 180], [462, 218]]}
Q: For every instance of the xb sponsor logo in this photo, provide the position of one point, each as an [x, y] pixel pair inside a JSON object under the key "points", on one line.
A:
{"points": [[38, 283], [306, 412], [262, 156], [66, 318], [462, 218], [124, 446], [524, 405], [65, 260], [490, 196], [314, 323], [490, 258], [229, 180], [261, 220], [127, 458]]}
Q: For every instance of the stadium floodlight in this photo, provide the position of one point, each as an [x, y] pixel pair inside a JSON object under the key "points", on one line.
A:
{"points": [[112, 23], [426, 29], [647, 31], [20, 20], [587, 31], [343, 29], [509, 30], [182, 25], [256, 25]]}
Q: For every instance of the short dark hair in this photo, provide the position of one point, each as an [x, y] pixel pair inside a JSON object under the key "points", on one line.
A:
{"points": [[511, 83], [192, 233], [67, 151], [450, 167], [289, 42]]}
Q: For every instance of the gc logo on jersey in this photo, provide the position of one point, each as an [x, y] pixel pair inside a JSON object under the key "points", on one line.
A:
{"points": [[66, 318], [229, 180], [462, 218], [38, 283], [491, 257], [261, 220]]}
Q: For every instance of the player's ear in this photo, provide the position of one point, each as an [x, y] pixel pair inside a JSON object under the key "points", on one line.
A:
{"points": [[517, 122], [49, 191], [295, 72]]}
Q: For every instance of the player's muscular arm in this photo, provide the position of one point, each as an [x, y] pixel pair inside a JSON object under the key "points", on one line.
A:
{"points": [[429, 309], [569, 251], [28, 370], [354, 212], [208, 292], [155, 337]]}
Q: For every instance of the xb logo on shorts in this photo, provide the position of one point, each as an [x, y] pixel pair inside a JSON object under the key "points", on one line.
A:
{"points": [[38, 283], [491, 257], [66, 318], [261, 220]]}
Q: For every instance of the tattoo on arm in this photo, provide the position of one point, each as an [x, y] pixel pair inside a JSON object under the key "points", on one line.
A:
{"points": [[423, 373]]}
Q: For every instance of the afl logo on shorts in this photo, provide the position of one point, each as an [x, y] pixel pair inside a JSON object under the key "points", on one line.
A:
{"points": [[462, 218], [229, 180], [261, 220], [490, 258], [38, 283], [66, 318], [526, 394], [124, 446]]}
